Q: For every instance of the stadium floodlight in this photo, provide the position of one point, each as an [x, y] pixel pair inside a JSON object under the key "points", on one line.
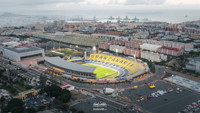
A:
{"points": [[94, 48], [116, 51]]}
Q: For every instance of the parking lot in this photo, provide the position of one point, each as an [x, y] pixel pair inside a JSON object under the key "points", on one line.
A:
{"points": [[99, 105], [165, 98]]}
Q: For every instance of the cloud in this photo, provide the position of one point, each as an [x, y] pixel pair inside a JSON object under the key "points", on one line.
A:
{"points": [[105, 2], [182, 2], [124, 2], [57, 5], [32, 3], [144, 2]]}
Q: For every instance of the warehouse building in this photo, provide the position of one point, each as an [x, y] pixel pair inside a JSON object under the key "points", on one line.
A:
{"points": [[22, 53]]}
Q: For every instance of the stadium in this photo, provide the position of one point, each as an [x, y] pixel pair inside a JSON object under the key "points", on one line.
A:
{"points": [[98, 67]]}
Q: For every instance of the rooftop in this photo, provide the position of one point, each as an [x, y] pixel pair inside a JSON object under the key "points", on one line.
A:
{"points": [[59, 62], [170, 48], [196, 59], [23, 49]]}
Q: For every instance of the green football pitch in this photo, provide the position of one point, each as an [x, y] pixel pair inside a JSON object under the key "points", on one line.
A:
{"points": [[102, 72]]}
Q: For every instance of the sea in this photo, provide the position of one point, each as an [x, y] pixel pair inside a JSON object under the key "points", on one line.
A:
{"points": [[170, 16]]}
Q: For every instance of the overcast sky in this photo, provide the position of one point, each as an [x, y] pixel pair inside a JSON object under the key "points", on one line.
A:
{"points": [[26, 6]]}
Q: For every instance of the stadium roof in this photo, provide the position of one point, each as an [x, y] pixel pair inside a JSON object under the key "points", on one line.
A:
{"points": [[59, 62], [23, 49]]}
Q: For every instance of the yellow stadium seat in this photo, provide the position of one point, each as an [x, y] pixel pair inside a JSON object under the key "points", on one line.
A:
{"points": [[130, 65]]}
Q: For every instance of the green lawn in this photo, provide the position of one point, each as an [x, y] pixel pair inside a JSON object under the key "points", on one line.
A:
{"points": [[102, 72], [69, 52], [20, 88]]}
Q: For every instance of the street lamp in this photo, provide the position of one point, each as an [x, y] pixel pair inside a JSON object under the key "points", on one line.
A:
{"points": [[134, 57], [172, 79]]}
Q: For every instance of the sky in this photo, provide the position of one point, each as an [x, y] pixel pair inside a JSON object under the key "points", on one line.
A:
{"points": [[31, 6]]}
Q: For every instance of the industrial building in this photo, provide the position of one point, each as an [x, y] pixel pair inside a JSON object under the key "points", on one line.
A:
{"points": [[22, 53]]}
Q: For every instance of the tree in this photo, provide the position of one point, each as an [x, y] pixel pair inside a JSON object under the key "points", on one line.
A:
{"points": [[151, 65], [17, 109], [81, 111], [41, 108], [31, 110], [153, 69], [15, 106], [63, 107], [43, 80], [21, 82], [73, 110], [10, 62], [14, 102], [53, 90], [2, 99], [65, 97], [64, 91], [28, 87], [4, 109]]}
